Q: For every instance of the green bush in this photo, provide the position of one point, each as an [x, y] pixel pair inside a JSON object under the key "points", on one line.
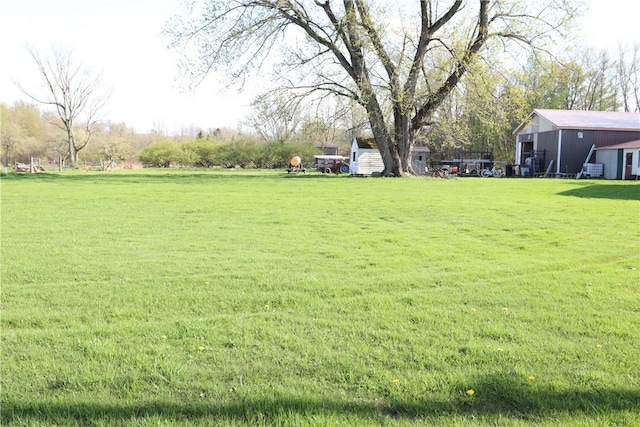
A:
{"points": [[164, 154], [243, 153], [277, 154], [201, 153]]}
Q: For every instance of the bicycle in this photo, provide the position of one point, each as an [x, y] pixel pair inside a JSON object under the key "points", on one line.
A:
{"points": [[493, 172]]}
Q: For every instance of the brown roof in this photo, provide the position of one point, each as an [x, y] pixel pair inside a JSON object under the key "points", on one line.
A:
{"points": [[630, 144], [587, 120], [369, 143]]}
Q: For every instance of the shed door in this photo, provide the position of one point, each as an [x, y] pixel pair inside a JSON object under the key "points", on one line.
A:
{"points": [[527, 151], [628, 165]]}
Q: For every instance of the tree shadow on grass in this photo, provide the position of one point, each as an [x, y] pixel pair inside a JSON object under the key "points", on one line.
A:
{"points": [[494, 397], [605, 191]]}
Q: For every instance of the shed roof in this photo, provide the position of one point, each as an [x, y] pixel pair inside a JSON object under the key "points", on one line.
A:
{"points": [[586, 120], [330, 157], [630, 144], [368, 143], [420, 149]]}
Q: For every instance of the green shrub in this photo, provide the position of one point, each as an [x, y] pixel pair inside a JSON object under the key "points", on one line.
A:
{"points": [[201, 153], [277, 154], [164, 154], [243, 153]]}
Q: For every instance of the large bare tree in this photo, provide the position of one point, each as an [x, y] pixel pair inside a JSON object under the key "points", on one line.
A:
{"points": [[398, 60], [275, 118], [76, 94]]}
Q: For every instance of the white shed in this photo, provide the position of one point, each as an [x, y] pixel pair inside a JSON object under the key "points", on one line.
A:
{"points": [[365, 157], [621, 161], [419, 160]]}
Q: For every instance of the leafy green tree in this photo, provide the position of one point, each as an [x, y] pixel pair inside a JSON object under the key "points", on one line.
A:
{"points": [[201, 152], [277, 154], [163, 154], [490, 102], [21, 133], [9, 135]]}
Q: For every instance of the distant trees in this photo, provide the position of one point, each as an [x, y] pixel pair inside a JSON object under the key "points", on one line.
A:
{"points": [[628, 76], [242, 152], [163, 154], [489, 101], [112, 145], [27, 131], [74, 92], [8, 135], [493, 99], [24, 133]]}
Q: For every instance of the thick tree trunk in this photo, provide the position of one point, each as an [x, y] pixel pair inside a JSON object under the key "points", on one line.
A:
{"points": [[404, 140], [395, 150], [384, 141]]}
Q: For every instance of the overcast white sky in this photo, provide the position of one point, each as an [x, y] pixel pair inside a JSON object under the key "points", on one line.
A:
{"points": [[121, 39]]}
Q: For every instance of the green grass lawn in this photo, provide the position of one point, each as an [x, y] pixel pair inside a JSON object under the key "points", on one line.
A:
{"points": [[261, 298]]}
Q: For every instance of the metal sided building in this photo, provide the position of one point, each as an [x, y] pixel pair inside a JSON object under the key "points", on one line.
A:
{"points": [[621, 161], [562, 141]]}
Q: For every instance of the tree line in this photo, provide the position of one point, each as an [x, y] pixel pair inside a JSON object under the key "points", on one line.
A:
{"points": [[479, 114], [398, 63], [28, 132], [490, 103], [244, 153]]}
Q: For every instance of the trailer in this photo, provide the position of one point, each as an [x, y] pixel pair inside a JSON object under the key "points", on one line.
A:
{"points": [[295, 165], [331, 164]]}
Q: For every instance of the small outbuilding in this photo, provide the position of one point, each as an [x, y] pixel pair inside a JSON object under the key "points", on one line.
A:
{"points": [[365, 157], [621, 161], [562, 142], [419, 159]]}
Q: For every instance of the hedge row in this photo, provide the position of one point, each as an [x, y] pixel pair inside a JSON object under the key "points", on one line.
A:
{"points": [[208, 153]]}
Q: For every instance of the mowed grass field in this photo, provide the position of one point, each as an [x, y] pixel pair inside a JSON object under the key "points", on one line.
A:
{"points": [[180, 298]]}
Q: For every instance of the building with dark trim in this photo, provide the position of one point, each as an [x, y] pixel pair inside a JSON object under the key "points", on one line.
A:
{"points": [[563, 141]]}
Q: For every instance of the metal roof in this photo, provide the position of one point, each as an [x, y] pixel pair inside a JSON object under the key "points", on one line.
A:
{"points": [[630, 144], [586, 120], [330, 157]]}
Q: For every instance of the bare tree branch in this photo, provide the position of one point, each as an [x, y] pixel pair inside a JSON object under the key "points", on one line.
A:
{"points": [[366, 51], [72, 90]]}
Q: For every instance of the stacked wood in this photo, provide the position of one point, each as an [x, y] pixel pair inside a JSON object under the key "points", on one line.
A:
{"points": [[25, 167]]}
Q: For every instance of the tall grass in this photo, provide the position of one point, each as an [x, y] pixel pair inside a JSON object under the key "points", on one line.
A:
{"points": [[261, 298]]}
